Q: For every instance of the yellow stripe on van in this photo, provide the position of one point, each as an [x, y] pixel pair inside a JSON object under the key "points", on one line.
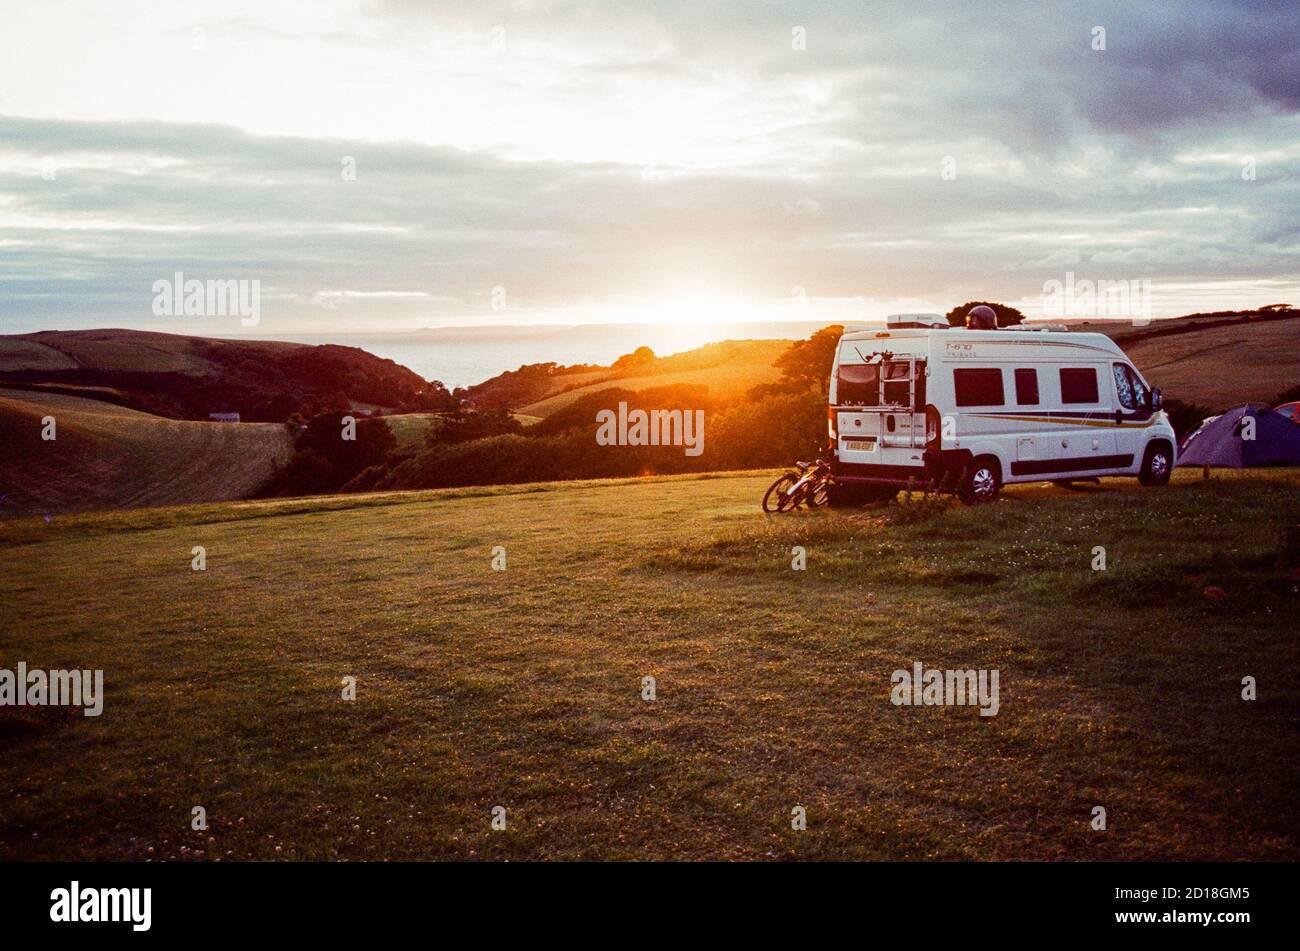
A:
{"points": [[1071, 421]]}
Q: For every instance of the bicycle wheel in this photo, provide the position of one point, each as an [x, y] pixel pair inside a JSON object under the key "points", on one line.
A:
{"points": [[792, 498], [818, 494], [775, 494]]}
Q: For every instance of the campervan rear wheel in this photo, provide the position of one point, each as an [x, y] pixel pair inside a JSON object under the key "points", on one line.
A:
{"points": [[981, 482], [1156, 465]]}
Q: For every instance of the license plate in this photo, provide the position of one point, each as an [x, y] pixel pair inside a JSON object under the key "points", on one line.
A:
{"points": [[860, 443]]}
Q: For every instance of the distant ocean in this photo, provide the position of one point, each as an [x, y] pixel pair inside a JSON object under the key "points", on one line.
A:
{"points": [[462, 356]]}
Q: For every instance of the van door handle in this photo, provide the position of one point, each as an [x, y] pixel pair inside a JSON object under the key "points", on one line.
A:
{"points": [[1119, 417]]}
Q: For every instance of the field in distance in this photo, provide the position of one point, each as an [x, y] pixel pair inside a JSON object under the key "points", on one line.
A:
{"points": [[1214, 362], [1223, 367], [735, 367], [106, 456], [523, 688]]}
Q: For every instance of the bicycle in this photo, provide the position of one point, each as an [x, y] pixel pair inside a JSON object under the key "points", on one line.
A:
{"points": [[808, 483]]}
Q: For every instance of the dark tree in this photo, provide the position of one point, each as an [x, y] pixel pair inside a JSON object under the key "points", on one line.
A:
{"points": [[637, 358], [465, 427], [1007, 316], [324, 435], [1185, 417], [808, 362]]}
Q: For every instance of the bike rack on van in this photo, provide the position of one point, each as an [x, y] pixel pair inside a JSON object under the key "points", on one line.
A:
{"points": [[915, 365]]}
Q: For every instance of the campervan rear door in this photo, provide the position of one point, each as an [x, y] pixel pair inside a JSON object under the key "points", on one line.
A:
{"points": [[879, 408], [857, 398]]}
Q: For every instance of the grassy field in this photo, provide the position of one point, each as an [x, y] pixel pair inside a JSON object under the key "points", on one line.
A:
{"points": [[1219, 367], [109, 456], [1222, 367], [522, 688]]}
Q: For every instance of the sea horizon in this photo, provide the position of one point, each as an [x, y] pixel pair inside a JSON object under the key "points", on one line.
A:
{"points": [[460, 356]]}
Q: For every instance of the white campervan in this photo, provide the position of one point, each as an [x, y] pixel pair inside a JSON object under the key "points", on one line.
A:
{"points": [[920, 402]]}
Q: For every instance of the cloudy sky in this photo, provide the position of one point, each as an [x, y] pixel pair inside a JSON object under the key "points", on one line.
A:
{"points": [[555, 161]]}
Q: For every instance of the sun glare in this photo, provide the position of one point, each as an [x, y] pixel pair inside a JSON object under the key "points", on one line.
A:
{"points": [[690, 320], [693, 310]]}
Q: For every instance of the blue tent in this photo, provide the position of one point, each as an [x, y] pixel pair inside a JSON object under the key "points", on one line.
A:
{"points": [[1270, 439]]}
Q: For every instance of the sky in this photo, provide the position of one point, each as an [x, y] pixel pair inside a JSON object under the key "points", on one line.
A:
{"points": [[388, 164]]}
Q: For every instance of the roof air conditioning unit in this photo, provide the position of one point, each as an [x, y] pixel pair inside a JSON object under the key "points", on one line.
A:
{"points": [[917, 321]]}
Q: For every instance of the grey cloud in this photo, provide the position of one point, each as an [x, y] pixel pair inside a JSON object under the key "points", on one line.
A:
{"points": [[845, 201]]}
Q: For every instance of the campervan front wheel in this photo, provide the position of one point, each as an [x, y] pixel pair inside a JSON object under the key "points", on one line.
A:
{"points": [[981, 482], [1156, 465]]}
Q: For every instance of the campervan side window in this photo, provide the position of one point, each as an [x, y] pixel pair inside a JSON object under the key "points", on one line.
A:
{"points": [[978, 387], [1027, 387], [858, 384], [1078, 385]]}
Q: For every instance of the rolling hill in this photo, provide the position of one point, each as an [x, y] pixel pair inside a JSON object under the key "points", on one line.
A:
{"points": [[107, 456], [183, 377], [1214, 360], [1222, 367], [727, 368], [542, 390]]}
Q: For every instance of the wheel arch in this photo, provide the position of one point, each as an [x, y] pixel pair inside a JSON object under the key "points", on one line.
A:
{"points": [[990, 450], [1159, 439]]}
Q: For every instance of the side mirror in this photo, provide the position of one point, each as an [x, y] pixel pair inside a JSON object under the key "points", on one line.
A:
{"points": [[1156, 399]]}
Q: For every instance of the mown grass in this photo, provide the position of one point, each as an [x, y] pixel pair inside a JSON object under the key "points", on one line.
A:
{"points": [[522, 687]]}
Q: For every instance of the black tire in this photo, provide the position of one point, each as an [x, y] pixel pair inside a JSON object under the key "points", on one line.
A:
{"points": [[981, 481], [789, 503], [818, 496], [775, 493], [841, 495], [1157, 465]]}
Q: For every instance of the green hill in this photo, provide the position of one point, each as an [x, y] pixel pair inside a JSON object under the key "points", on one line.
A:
{"points": [[1215, 360], [184, 377], [1222, 367], [107, 456], [728, 369]]}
